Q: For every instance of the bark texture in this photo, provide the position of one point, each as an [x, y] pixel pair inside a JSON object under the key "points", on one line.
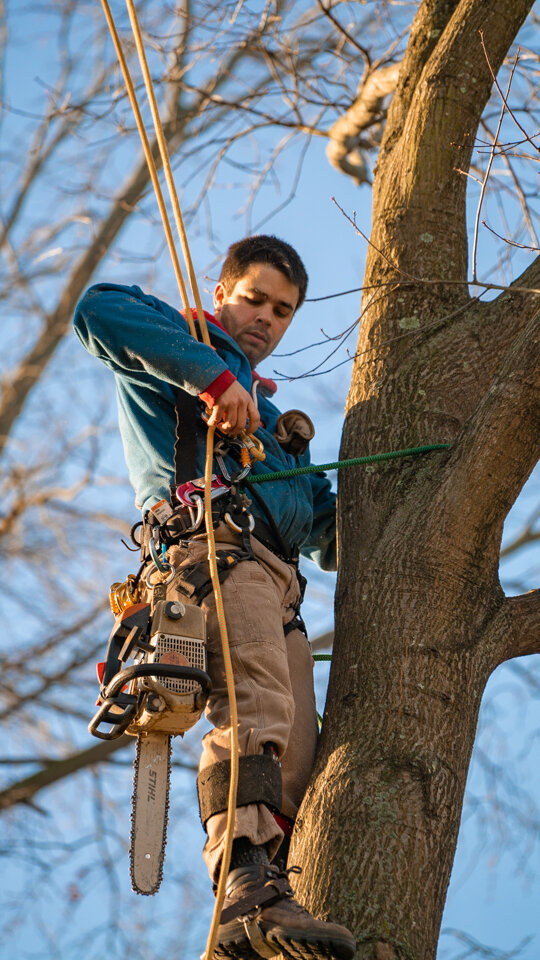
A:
{"points": [[418, 575]]}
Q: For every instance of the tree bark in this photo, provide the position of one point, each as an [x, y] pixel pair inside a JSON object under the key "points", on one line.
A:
{"points": [[421, 618]]}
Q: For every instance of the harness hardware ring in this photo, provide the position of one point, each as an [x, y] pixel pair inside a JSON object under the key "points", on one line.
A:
{"points": [[167, 566], [234, 526]]}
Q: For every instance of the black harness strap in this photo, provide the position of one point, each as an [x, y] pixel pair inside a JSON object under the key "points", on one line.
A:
{"points": [[195, 582], [185, 443]]}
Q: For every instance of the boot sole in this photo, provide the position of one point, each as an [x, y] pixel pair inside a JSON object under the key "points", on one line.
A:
{"points": [[286, 946]]}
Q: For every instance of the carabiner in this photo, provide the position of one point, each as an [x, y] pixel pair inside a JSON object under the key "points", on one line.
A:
{"points": [[253, 444], [228, 477], [199, 515], [162, 567]]}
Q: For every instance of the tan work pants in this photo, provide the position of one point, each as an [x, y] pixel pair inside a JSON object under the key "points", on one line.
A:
{"points": [[273, 678]]}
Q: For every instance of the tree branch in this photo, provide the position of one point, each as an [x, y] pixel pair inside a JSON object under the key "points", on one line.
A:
{"points": [[323, 642], [513, 309], [495, 325], [430, 133], [344, 149], [427, 27], [24, 790], [498, 447], [525, 612], [21, 381], [515, 630]]}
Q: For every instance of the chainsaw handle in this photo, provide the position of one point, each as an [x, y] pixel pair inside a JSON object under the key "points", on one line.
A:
{"points": [[120, 722], [171, 671]]}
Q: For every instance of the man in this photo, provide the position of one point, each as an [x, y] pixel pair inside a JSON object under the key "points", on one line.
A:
{"points": [[147, 344]]}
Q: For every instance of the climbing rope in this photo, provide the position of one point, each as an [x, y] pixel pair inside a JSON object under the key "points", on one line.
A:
{"points": [[225, 862], [231, 693], [130, 89], [164, 153]]}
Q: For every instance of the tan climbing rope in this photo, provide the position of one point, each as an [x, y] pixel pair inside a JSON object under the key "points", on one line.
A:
{"points": [[164, 153], [209, 953]]}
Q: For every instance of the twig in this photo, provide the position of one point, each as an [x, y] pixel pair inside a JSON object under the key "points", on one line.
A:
{"points": [[503, 98], [353, 223], [491, 156], [412, 279], [365, 53], [512, 243]]}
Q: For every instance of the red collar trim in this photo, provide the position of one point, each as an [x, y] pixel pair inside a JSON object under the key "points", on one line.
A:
{"points": [[266, 382], [209, 318]]}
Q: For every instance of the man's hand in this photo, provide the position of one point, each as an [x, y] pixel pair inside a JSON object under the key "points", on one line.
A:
{"points": [[234, 411]]}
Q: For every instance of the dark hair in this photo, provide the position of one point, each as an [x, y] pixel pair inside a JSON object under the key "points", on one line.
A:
{"points": [[264, 249]]}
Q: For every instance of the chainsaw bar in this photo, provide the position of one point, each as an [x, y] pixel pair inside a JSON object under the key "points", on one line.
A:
{"points": [[150, 810]]}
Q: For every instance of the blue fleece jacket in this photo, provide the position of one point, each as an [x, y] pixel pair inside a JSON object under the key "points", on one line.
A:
{"points": [[147, 345]]}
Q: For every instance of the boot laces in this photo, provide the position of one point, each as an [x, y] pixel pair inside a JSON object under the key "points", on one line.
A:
{"points": [[293, 904]]}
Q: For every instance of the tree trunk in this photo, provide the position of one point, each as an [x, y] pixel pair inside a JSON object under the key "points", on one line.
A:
{"points": [[427, 620]]}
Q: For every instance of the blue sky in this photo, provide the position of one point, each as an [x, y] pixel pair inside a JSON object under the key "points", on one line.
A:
{"points": [[493, 895]]}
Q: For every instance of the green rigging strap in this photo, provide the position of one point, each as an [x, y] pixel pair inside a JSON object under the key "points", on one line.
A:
{"points": [[338, 464]]}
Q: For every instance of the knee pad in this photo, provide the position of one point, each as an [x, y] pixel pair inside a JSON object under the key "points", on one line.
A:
{"points": [[259, 781]]}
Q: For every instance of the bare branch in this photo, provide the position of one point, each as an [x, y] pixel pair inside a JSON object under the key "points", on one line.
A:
{"points": [[418, 129], [323, 642], [515, 629], [511, 311], [504, 97], [494, 146], [23, 791], [525, 612], [344, 149], [526, 536], [350, 39]]}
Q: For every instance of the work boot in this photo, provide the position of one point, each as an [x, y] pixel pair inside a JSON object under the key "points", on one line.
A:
{"points": [[261, 918]]}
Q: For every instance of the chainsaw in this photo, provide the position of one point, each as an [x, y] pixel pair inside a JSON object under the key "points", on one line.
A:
{"points": [[161, 694]]}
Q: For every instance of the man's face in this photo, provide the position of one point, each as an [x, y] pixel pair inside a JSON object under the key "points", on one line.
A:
{"points": [[258, 310]]}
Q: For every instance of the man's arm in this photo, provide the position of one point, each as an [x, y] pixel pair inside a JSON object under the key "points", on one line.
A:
{"points": [[144, 339]]}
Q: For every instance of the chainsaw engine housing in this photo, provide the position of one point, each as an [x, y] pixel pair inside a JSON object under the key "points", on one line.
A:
{"points": [[177, 637]]}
